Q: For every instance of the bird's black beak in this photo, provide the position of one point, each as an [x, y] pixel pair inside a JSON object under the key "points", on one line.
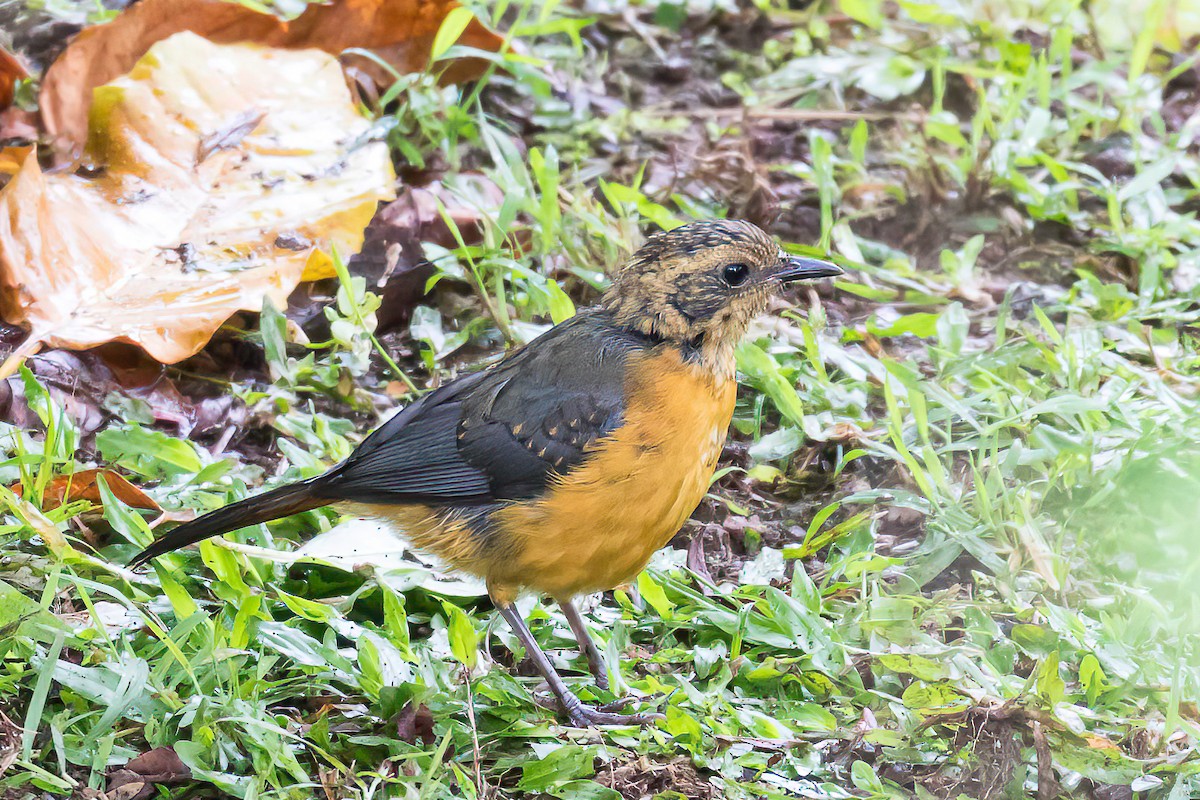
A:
{"points": [[795, 268]]}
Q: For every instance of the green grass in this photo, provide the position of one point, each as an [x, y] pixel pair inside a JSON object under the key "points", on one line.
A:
{"points": [[951, 552]]}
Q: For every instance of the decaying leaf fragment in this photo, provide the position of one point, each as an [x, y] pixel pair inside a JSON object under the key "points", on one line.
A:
{"points": [[399, 32], [220, 172], [11, 70], [137, 780]]}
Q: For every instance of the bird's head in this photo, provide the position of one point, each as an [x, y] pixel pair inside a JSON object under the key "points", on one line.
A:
{"points": [[701, 284]]}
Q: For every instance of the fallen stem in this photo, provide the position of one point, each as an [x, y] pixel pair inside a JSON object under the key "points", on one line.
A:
{"points": [[15, 359], [792, 114]]}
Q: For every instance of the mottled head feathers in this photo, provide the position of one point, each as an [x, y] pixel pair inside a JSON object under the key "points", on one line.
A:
{"points": [[701, 284]]}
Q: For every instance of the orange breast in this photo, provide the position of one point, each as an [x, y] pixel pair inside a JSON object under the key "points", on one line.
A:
{"points": [[598, 526]]}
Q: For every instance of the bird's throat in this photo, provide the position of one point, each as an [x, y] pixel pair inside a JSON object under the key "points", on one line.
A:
{"points": [[716, 356]]}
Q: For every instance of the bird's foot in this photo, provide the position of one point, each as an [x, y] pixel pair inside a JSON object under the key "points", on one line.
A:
{"points": [[624, 702], [585, 716], [582, 715]]}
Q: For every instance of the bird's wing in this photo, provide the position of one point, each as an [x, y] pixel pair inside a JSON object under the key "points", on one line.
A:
{"points": [[502, 433]]}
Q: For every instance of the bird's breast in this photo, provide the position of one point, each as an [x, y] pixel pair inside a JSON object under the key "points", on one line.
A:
{"points": [[596, 527]]}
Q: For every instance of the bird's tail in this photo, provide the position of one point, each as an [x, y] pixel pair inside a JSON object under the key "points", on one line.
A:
{"points": [[281, 502]]}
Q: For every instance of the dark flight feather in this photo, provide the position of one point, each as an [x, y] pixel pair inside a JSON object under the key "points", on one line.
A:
{"points": [[281, 502]]}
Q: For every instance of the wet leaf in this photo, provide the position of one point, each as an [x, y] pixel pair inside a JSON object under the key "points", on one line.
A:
{"points": [[915, 665], [935, 698], [150, 453], [400, 32], [162, 245]]}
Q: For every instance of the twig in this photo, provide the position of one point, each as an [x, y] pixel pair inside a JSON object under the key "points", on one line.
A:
{"points": [[636, 26], [480, 786], [265, 553], [226, 436], [1047, 787], [790, 114]]}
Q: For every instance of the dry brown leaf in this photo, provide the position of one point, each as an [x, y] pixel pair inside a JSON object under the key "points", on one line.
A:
{"points": [[11, 70], [83, 485], [401, 32], [170, 236], [415, 722], [138, 779]]}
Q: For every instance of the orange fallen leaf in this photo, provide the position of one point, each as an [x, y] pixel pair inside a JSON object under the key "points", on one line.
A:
{"points": [[11, 70], [1100, 743], [400, 32], [221, 172], [83, 485]]}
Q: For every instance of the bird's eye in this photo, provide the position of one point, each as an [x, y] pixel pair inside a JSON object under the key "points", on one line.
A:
{"points": [[735, 274]]}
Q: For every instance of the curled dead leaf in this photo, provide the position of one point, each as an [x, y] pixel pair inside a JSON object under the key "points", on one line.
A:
{"points": [[137, 779], [83, 485], [158, 247], [400, 32], [415, 723]]}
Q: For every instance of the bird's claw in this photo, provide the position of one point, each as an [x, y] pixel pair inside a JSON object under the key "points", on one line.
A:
{"points": [[621, 703], [582, 715], [585, 716]]}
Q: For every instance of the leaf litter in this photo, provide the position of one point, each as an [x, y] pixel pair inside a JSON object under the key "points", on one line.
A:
{"points": [[170, 235]]}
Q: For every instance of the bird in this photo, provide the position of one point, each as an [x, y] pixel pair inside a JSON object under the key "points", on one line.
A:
{"points": [[561, 468]]}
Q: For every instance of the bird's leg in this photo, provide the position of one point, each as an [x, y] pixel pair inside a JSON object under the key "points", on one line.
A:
{"points": [[577, 711], [587, 645]]}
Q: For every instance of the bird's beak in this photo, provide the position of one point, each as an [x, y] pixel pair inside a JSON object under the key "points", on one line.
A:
{"points": [[794, 268]]}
